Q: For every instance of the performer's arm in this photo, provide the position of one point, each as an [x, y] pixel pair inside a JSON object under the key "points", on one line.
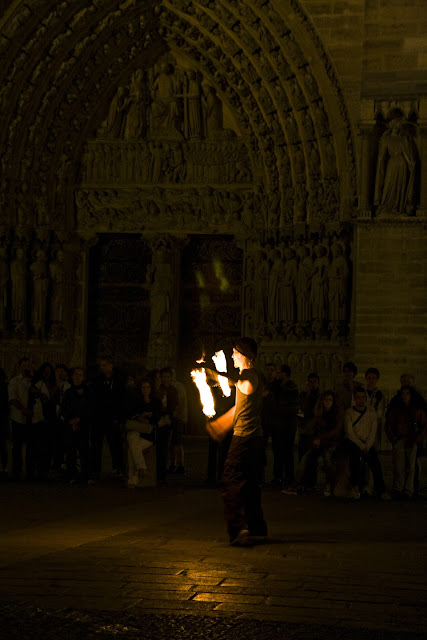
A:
{"points": [[214, 375], [218, 428]]}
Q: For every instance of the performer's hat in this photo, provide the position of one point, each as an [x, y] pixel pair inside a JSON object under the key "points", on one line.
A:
{"points": [[246, 346]]}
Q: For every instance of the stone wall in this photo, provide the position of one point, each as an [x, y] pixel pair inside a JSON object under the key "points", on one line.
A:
{"points": [[390, 308]]}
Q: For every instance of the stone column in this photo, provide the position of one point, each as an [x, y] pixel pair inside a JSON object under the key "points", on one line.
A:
{"points": [[422, 209], [366, 170], [79, 281]]}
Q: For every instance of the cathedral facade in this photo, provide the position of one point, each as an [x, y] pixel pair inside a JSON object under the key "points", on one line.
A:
{"points": [[179, 172]]}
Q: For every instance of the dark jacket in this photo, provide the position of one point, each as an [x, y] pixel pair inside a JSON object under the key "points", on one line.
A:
{"points": [[75, 405], [109, 396]]}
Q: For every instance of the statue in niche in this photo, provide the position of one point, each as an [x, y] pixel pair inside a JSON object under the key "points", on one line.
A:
{"points": [[165, 112], [135, 124], [289, 279], [194, 105], [319, 283], [160, 277], [113, 126], [321, 118], [19, 290], [212, 111], [156, 154], [394, 183], [275, 289], [303, 284], [38, 271], [261, 292], [329, 166], [4, 279], [311, 84], [57, 282], [338, 277]]}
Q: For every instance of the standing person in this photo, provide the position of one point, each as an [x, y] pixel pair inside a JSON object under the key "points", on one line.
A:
{"points": [[327, 430], [181, 418], [141, 408], [241, 478], [109, 393], [360, 423], [284, 436], [406, 426], [345, 389], [20, 413], [269, 411], [45, 380], [171, 394], [59, 446], [308, 400], [77, 410], [4, 423]]}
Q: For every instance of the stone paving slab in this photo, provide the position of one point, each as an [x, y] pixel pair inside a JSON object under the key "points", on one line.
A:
{"points": [[328, 563]]}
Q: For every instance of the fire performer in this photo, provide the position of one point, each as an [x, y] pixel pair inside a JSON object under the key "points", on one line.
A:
{"points": [[241, 479]]}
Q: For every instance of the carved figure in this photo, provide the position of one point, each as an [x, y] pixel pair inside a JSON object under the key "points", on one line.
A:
{"points": [[194, 105], [303, 283], [57, 281], [135, 120], [160, 277], [165, 114], [275, 289], [289, 279], [4, 279], [19, 289], [319, 283], [261, 292], [212, 109], [394, 185], [338, 284], [40, 285]]}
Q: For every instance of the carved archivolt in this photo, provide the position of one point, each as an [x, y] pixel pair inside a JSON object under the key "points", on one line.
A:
{"points": [[62, 60]]}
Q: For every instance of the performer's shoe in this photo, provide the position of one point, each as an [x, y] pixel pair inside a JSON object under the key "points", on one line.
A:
{"points": [[241, 540]]}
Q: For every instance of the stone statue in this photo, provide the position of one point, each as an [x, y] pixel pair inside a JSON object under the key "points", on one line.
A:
{"points": [[135, 120], [19, 289], [212, 110], [338, 284], [57, 281], [261, 292], [165, 112], [113, 126], [160, 277], [394, 184], [303, 282], [40, 286], [194, 124], [275, 289], [319, 283], [4, 279], [289, 279]]}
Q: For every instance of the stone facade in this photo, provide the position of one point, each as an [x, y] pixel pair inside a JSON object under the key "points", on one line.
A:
{"points": [[294, 130]]}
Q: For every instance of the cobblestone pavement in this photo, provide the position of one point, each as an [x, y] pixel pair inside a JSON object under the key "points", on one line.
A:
{"points": [[103, 562]]}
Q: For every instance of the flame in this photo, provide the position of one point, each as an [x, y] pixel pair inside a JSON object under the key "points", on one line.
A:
{"points": [[206, 397], [220, 362], [202, 359]]}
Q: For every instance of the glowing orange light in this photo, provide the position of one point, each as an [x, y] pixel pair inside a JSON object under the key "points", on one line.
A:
{"points": [[206, 397], [220, 362]]}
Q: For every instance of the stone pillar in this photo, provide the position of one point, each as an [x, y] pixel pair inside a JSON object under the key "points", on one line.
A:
{"points": [[422, 209], [366, 170], [79, 300]]}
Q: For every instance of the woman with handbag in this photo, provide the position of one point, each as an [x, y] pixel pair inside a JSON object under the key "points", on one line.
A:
{"points": [[143, 413]]}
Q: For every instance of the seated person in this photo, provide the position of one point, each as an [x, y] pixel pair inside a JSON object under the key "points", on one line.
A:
{"points": [[142, 413], [406, 426], [360, 424], [327, 432]]}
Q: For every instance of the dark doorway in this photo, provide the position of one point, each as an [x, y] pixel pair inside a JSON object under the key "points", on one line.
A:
{"points": [[119, 313]]}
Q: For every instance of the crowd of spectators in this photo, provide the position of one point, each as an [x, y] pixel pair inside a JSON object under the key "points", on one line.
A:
{"points": [[336, 431], [322, 440], [58, 421]]}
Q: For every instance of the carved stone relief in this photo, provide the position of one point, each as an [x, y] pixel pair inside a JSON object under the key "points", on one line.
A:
{"points": [[300, 290]]}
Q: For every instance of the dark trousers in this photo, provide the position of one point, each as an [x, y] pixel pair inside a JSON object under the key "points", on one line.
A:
{"points": [[356, 463], [162, 451], [106, 428], [282, 440], [19, 440], [217, 454], [38, 448], [241, 486], [77, 445]]}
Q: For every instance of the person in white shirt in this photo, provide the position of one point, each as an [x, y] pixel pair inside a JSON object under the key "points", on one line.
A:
{"points": [[360, 426], [20, 413]]}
